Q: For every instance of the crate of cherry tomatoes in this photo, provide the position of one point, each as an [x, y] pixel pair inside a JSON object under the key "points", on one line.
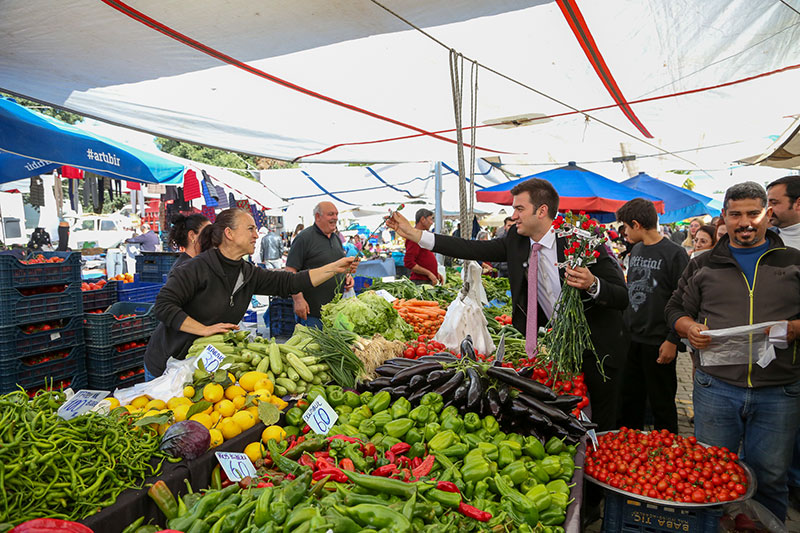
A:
{"points": [[123, 356], [665, 482], [98, 294], [115, 380], [33, 370], [38, 268], [122, 322], [29, 339], [29, 305]]}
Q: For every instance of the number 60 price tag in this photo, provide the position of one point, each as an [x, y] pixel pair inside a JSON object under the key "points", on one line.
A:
{"points": [[237, 466], [320, 416]]}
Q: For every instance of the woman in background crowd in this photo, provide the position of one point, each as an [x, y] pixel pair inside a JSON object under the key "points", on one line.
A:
{"points": [[185, 235]]}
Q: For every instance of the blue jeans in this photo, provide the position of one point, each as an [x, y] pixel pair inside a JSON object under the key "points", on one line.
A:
{"points": [[148, 376], [760, 422], [311, 322]]}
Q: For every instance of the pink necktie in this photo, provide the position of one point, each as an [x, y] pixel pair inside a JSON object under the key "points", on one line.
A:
{"points": [[531, 327]]}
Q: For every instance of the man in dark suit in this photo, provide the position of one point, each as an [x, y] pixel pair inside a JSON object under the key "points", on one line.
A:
{"points": [[604, 293]]}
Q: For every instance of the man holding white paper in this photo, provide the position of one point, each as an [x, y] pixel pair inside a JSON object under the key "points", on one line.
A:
{"points": [[749, 277]]}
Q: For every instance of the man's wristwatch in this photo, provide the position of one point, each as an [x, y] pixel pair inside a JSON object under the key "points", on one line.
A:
{"points": [[592, 290]]}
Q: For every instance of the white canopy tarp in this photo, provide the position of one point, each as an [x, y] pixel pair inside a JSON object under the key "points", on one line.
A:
{"points": [[346, 80]]}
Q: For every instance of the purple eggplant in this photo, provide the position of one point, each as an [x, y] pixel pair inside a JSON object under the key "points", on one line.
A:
{"points": [[437, 377], [398, 392], [388, 370], [460, 396], [467, 349], [401, 362], [475, 391], [415, 381], [565, 402], [528, 386], [405, 375], [503, 393], [449, 387], [493, 400], [554, 414]]}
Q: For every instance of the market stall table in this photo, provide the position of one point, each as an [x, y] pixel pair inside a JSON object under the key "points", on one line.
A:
{"points": [[376, 268]]}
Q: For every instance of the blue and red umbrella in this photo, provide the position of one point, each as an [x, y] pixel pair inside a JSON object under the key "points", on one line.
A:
{"points": [[679, 203], [578, 189]]}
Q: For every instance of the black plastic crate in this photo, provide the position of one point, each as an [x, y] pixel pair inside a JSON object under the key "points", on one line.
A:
{"points": [[17, 308], [22, 372], [103, 361], [16, 343], [153, 266], [104, 329], [100, 298], [625, 514], [115, 380], [138, 291], [14, 273]]}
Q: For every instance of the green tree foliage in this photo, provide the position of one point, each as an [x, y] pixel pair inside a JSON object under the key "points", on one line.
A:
{"points": [[60, 114], [219, 158]]}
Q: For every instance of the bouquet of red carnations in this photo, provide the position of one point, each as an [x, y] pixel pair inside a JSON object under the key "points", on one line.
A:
{"points": [[570, 336]]}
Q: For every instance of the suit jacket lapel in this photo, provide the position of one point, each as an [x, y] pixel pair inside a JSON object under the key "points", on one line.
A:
{"points": [[560, 243]]}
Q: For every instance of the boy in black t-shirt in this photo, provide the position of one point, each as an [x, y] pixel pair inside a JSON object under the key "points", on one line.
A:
{"points": [[655, 265]]}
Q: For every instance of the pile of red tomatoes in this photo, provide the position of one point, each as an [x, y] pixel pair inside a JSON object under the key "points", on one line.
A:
{"points": [[666, 466]]}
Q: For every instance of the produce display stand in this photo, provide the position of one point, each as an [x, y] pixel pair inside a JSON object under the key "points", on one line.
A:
{"points": [[133, 503], [573, 521]]}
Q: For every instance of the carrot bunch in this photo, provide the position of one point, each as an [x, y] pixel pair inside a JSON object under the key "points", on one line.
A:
{"points": [[425, 316]]}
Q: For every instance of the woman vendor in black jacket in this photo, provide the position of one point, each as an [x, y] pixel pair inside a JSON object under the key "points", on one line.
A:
{"points": [[211, 293]]}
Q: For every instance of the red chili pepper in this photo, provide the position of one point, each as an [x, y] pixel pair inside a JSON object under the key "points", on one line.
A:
{"points": [[306, 429], [347, 464], [385, 471], [368, 450], [323, 464], [322, 454], [226, 483], [344, 438], [406, 473], [50, 524], [447, 486], [336, 475], [425, 467], [403, 460], [400, 448], [416, 461], [390, 457], [306, 460], [473, 512], [264, 484]]}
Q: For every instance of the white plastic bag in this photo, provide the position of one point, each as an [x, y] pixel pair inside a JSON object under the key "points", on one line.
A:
{"points": [[732, 346], [167, 385], [471, 274], [465, 317]]}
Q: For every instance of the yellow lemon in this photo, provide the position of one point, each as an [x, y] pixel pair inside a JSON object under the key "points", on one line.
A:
{"points": [[265, 383], [253, 410], [255, 451], [163, 427], [179, 412], [213, 392], [245, 419], [188, 392], [231, 377], [180, 400], [156, 404], [140, 402], [225, 407], [239, 402], [203, 419], [216, 437], [248, 380], [131, 409], [262, 394], [278, 402], [114, 402], [275, 433], [215, 418], [229, 428], [233, 391]]}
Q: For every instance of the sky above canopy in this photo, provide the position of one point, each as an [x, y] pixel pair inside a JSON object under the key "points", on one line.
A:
{"points": [[692, 85]]}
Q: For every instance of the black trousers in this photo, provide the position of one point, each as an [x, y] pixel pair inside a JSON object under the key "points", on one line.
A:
{"points": [[603, 392], [643, 380]]}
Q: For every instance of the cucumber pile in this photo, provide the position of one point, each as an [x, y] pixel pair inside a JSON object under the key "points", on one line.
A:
{"points": [[287, 365]]}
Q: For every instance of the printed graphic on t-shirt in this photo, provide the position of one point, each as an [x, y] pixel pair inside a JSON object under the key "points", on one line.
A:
{"points": [[641, 281]]}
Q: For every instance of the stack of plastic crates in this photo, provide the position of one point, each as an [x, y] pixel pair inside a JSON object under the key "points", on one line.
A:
{"points": [[41, 330], [115, 344], [281, 317], [138, 290], [99, 299], [153, 266]]}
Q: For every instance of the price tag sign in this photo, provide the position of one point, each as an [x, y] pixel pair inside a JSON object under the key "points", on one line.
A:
{"points": [[211, 358], [82, 402], [385, 295], [55, 336], [237, 466], [592, 433], [320, 416]]}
